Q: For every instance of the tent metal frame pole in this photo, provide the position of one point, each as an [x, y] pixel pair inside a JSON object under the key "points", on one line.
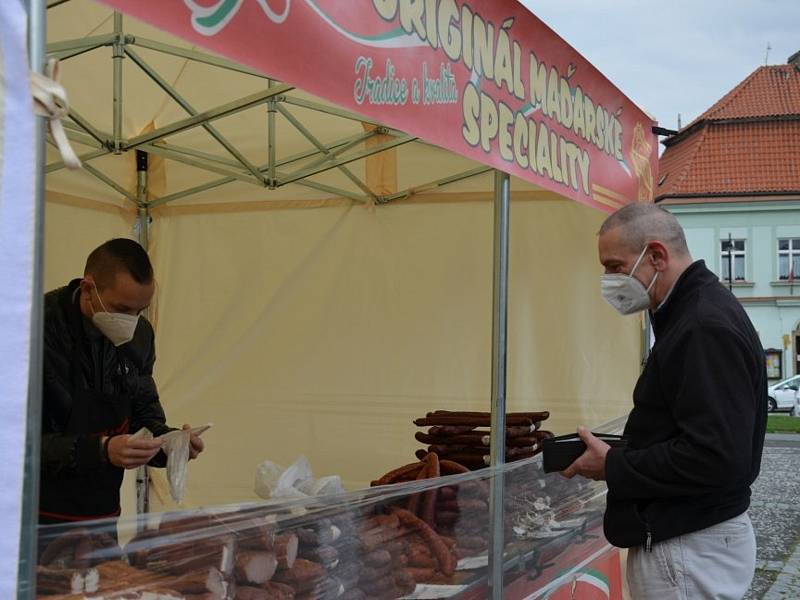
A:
{"points": [[272, 148], [54, 3], [86, 43], [191, 191], [435, 184], [337, 146], [316, 169], [52, 167], [111, 183], [330, 110], [77, 133], [231, 176], [325, 150], [118, 54], [226, 180], [194, 55], [227, 163], [142, 164], [342, 149], [199, 163], [213, 131], [225, 110], [29, 518], [322, 158], [67, 54], [100, 138], [315, 185], [502, 197]]}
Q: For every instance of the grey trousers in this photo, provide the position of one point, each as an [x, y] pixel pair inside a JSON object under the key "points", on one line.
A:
{"points": [[717, 563]]}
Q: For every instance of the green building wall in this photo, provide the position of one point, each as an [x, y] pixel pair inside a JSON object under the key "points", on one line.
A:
{"points": [[773, 305]]}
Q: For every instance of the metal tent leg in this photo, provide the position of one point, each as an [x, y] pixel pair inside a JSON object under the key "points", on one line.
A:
{"points": [[499, 352], [142, 476], [26, 575]]}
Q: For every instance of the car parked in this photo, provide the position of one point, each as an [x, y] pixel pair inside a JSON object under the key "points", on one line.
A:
{"points": [[782, 395]]}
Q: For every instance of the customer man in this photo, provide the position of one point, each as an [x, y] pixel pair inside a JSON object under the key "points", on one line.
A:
{"points": [[98, 386], [678, 494]]}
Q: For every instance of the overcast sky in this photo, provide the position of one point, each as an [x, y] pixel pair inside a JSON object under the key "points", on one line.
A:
{"points": [[675, 56]]}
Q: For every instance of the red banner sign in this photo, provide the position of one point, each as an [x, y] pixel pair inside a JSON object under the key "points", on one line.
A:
{"points": [[487, 80]]}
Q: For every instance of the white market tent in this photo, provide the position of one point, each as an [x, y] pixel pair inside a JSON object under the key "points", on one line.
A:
{"points": [[316, 318], [323, 279]]}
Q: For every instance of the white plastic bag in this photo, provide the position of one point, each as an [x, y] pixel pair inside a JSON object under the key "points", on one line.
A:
{"points": [[332, 484], [176, 447], [296, 481]]}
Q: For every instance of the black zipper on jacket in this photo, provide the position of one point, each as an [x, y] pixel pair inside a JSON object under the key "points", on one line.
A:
{"points": [[648, 544]]}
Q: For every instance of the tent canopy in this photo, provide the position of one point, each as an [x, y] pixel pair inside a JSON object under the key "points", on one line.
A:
{"points": [[322, 331]]}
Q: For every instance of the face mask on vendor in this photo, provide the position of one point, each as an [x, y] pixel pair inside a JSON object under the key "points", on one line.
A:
{"points": [[625, 292], [117, 327]]}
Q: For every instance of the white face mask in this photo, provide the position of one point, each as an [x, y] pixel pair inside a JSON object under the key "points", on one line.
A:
{"points": [[625, 292], [117, 327]]}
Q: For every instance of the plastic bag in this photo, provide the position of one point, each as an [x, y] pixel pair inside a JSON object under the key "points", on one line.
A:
{"points": [[296, 481], [176, 447], [143, 434]]}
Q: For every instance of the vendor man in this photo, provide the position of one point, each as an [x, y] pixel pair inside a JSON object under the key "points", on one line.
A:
{"points": [[98, 386], [678, 494]]}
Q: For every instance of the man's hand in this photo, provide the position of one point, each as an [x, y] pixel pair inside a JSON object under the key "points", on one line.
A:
{"points": [[592, 463], [196, 445], [131, 453]]}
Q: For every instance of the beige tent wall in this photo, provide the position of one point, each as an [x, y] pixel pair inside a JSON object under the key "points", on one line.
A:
{"points": [[73, 228], [324, 331]]}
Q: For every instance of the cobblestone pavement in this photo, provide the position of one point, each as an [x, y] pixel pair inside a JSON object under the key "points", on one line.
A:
{"points": [[775, 512]]}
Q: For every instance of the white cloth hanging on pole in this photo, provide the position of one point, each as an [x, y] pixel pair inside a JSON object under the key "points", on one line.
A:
{"points": [[17, 176]]}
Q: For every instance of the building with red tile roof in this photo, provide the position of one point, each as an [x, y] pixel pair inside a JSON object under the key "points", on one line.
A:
{"points": [[747, 145], [732, 178]]}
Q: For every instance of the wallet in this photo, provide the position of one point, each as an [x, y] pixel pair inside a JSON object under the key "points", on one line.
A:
{"points": [[561, 451]]}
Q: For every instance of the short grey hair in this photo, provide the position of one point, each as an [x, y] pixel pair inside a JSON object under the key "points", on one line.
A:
{"points": [[644, 223]]}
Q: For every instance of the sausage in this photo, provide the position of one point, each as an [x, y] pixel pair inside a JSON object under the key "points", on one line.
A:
{"points": [[534, 416], [419, 556], [414, 499], [429, 497], [466, 439], [286, 548], [448, 492], [421, 575], [439, 549], [252, 567], [404, 582], [450, 467], [468, 460], [476, 421], [303, 575], [446, 517], [62, 548], [524, 440], [446, 430], [392, 476]]}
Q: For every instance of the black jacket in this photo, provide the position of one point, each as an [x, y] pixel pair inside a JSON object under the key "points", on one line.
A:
{"points": [[103, 367], [696, 431]]}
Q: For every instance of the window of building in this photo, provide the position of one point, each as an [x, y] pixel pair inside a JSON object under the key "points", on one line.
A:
{"points": [[788, 258], [733, 253]]}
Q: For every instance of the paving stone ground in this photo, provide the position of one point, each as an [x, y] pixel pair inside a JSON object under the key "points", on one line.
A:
{"points": [[775, 512]]}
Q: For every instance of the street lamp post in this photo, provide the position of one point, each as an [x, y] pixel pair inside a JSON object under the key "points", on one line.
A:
{"points": [[730, 262]]}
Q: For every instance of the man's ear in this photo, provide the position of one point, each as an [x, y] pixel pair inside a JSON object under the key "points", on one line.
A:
{"points": [[87, 285], [659, 256]]}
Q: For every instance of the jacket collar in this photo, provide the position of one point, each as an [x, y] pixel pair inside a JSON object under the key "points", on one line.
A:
{"points": [[692, 279], [75, 316]]}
